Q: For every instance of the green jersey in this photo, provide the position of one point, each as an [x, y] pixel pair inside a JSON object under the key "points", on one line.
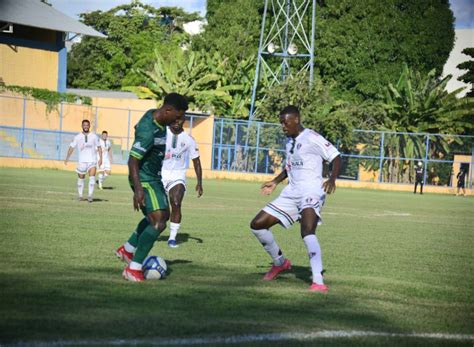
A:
{"points": [[149, 147]]}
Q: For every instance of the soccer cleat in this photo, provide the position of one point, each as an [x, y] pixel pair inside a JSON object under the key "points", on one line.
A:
{"points": [[90, 199], [172, 244], [80, 198], [322, 288], [133, 275], [275, 270], [123, 255]]}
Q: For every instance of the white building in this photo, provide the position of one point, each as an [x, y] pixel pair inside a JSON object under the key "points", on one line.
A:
{"points": [[464, 39]]}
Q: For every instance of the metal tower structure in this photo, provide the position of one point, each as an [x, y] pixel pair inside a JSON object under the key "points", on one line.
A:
{"points": [[286, 45]]}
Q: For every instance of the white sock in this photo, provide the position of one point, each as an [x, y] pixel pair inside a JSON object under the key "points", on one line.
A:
{"points": [[268, 242], [129, 248], [80, 186], [135, 266], [174, 227], [101, 178], [91, 185], [315, 257]]}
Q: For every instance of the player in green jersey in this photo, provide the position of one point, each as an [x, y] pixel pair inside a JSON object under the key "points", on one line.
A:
{"points": [[144, 165]]}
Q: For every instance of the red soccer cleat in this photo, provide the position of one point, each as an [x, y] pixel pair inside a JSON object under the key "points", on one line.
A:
{"points": [[275, 270], [133, 275], [322, 288], [123, 255]]}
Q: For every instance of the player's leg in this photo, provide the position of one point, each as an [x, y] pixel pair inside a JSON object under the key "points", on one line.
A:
{"points": [[260, 226], [157, 212], [309, 222], [81, 175], [92, 172], [100, 171], [421, 187], [126, 251], [80, 185], [176, 195], [416, 184]]}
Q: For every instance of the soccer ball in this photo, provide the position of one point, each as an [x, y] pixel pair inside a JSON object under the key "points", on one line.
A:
{"points": [[154, 268]]}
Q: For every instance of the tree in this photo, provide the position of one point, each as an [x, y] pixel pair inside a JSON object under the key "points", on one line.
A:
{"points": [[233, 29], [468, 77], [134, 31], [362, 44]]}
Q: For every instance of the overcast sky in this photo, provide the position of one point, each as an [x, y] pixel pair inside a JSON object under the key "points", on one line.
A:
{"points": [[463, 9]]}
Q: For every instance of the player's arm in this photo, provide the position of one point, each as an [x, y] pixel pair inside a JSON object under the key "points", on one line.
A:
{"points": [[330, 185], [133, 170], [110, 155], [69, 153], [198, 170], [98, 148], [268, 187]]}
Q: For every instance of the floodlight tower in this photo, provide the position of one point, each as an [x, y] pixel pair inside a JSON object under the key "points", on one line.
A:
{"points": [[286, 42]]}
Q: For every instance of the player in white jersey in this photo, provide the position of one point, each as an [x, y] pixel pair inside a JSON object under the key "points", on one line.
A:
{"points": [[301, 200], [88, 147], [106, 168], [180, 146]]}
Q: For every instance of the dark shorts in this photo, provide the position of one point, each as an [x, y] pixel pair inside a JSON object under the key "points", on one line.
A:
{"points": [[461, 184], [155, 197]]}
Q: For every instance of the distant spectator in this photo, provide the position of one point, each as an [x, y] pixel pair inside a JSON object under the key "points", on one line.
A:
{"points": [[461, 176], [419, 171]]}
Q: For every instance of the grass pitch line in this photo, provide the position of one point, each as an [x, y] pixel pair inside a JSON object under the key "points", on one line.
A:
{"points": [[325, 334]]}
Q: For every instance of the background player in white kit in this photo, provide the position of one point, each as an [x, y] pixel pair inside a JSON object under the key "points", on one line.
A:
{"points": [[179, 147], [88, 147], [302, 199], [106, 168]]}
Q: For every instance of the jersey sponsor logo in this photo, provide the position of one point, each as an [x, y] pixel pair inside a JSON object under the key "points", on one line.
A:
{"points": [[298, 146], [160, 141], [327, 144], [296, 163], [138, 145], [182, 144]]}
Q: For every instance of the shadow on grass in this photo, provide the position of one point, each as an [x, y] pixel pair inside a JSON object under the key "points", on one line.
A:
{"points": [[196, 301], [181, 238]]}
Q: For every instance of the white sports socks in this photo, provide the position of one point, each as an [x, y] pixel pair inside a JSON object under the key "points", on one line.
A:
{"points": [[266, 238], [315, 257]]}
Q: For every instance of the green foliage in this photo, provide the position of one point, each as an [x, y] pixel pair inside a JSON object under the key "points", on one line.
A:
{"points": [[205, 78], [419, 103], [233, 29], [134, 31], [468, 77], [362, 44], [51, 98], [321, 108]]}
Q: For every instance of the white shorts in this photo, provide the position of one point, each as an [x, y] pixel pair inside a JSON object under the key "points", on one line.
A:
{"points": [[83, 168], [171, 179], [288, 206], [105, 166]]}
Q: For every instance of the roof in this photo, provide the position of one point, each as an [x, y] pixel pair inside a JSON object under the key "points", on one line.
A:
{"points": [[35, 13]]}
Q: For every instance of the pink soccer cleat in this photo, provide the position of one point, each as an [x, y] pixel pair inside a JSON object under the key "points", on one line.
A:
{"points": [[123, 255], [275, 270], [322, 288], [133, 275]]}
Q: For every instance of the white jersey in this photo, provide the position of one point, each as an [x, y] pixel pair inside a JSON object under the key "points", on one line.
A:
{"points": [[304, 159], [178, 149], [87, 146], [104, 146]]}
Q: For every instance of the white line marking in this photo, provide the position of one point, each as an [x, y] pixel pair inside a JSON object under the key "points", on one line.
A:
{"points": [[325, 334]]}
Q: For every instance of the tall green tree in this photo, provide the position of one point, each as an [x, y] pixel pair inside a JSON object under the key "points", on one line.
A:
{"points": [[133, 32], [468, 65], [362, 44]]}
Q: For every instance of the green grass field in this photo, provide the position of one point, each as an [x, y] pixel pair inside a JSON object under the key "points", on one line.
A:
{"points": [[396, 263]]}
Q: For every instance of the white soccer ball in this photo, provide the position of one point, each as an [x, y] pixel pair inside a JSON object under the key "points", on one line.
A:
{"points": [[154, 268]]}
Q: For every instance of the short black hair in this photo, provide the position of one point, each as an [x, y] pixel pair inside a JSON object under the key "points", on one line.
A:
{"points": [[85, 121], [105, 132], [290, 109], [176, 100]]}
